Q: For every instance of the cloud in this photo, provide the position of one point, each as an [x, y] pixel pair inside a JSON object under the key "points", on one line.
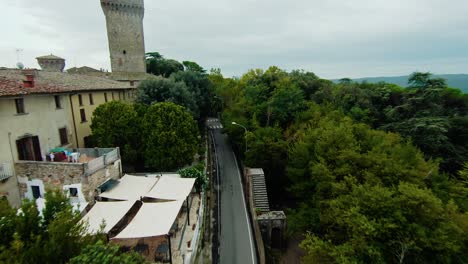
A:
{"points": [[333, 38]]}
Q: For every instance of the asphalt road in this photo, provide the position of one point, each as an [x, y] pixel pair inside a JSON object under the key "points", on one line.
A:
{"points": [[236, 241]]}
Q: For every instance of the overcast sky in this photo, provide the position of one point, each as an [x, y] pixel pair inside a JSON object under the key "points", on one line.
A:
{"points": [[332, 38]]}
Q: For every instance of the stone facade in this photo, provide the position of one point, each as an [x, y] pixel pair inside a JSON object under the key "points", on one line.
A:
{"points": [[124, 20], [152, 244], [273, 228], [9, 189], [56, 175]]}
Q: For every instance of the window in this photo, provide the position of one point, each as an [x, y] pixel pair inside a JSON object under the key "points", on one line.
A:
{"points": [[29, 148], [36, 191], [83, 115], [105, 97], [19, 105], [63, 136], [91, 101], [80, 100], [58, 102], [73, 192]]}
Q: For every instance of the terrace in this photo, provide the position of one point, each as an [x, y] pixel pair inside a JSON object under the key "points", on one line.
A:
{"points": [[89, 160], [78, 171]]}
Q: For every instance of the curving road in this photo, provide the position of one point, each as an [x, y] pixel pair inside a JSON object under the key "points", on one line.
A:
{"points": [[236, 241]]}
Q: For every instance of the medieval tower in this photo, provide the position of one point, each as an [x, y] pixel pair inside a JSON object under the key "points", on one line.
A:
{"points": [[124, 19]]}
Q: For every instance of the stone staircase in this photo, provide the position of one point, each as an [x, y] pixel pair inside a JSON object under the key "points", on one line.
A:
{"points": [[260, 195]]}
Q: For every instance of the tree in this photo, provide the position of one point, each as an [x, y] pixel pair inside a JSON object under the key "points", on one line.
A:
{"points": [[170, 135], [193, 66], [201, 90], [156, 64], [116, 124], [160, 89], [201, 181], [54, 237], [424, 80], [99, 253]]}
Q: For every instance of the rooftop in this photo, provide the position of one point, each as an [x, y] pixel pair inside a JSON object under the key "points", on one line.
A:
{"points": [[12, 82], [50, 57]]}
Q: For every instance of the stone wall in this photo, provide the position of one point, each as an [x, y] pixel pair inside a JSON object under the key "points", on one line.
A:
{"points": [[91, 183], [55, 175], [9, 189], [152, 243], [124, 20]]}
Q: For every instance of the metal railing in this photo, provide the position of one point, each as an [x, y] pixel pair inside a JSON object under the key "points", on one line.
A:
{"points": [[6, 171], [107, 156]]}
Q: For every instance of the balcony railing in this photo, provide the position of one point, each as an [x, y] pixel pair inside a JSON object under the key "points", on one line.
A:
{"points": [[90, 159], [6, 171]]}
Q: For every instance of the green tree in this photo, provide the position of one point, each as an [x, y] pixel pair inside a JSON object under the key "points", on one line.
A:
{"points": [[158, 89], [100, 253], [201, 181], [424, 80], [201, 89], [116, 124], [156, 64], [170, 135], [193, 66], [54, 237]]}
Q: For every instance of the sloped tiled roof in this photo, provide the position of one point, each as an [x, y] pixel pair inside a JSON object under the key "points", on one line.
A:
{"points": [[11, 82], [50, 57]]}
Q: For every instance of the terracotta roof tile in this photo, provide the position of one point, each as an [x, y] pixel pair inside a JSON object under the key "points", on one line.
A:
{"points": [[11, 82]]}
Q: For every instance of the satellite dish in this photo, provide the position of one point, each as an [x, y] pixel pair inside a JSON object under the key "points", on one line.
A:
{"points": [[20, 65]]}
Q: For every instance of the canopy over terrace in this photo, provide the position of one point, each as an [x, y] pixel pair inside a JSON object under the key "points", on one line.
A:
{"points": [[109, 212], [171, 188], [152, 220], [130, 188]]}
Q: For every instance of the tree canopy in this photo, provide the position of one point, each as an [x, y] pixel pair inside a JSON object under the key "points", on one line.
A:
{"points": [[171, 136], [370, 173]]}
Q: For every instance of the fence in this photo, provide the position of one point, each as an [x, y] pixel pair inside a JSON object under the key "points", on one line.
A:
{"points": [[6, 171], [94, 165], [111, 156], [104, 156], [190, 258], [93, 152]]}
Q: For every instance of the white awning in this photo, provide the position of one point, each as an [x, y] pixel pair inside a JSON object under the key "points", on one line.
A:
{"points": [[109, 212], [130, 188], [171, 188], [153, 219]]}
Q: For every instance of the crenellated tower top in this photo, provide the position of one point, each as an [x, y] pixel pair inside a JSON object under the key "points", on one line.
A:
{"points": [[130, 7]]}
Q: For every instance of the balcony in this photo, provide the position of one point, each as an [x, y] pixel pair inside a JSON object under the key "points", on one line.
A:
{"points": [[86, 160], [83, 170]]}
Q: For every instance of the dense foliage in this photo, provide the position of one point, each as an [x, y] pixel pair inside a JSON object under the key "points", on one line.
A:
{"points": [[373, 173], [100, 253], [198, 173], [170, 136], [52, 236], [162, 136]]}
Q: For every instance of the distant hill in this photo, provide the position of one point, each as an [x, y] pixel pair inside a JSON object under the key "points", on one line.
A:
{"points": [[459, 81]]}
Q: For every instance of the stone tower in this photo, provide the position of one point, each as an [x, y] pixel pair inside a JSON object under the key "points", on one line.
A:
{"points": [[51, 63], [124, 19]]}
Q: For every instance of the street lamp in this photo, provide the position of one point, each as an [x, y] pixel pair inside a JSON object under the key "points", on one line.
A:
{"points": [[245, 133]]}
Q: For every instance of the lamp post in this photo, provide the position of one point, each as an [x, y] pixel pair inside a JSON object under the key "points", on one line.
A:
{"points": [[245, 133]]}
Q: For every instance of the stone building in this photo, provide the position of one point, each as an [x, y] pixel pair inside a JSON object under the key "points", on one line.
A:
{"points": [[124, 20], [42, 110]]}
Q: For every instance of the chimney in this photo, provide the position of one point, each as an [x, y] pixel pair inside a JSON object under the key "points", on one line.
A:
{"points": [[29, 82]]}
